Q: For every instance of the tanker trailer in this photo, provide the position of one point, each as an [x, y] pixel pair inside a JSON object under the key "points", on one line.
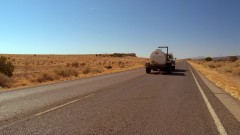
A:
{"points": [[159, 61]]}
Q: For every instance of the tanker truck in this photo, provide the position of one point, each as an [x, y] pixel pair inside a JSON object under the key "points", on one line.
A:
{"points": [[159, 61]]}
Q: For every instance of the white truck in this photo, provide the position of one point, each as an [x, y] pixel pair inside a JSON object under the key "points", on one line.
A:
{"points": [[160, 61]]}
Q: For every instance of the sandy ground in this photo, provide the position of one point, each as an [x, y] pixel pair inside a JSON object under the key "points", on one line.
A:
{"points": [[33, 70], [223, 74]]}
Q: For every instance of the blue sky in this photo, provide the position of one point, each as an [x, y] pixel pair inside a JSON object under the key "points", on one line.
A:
{"points": [[190, 28]]}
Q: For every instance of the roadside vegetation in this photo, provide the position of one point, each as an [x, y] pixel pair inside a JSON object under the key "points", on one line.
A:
{"points": [[6, 71], [224, 73], [28, 70]]}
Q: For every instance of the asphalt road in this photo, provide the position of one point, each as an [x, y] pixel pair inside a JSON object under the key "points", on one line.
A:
{"points": [[131, 102]]}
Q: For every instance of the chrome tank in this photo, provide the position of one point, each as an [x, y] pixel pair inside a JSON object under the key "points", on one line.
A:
{"points": [[158, 57]]}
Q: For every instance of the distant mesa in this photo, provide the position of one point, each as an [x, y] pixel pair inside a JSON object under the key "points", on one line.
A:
{"points": [[117, 55]]}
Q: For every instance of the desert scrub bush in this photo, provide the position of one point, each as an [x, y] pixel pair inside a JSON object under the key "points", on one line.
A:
{"points": [[4, 80], [227, 69], [96, 70], [108, 67], [68, 64], [86, 70], [66, 72], [23, 81], [208, 59], [218, 64], [211, 65], [232, 58], [75, 64], [74, 72], [121, 64], [45, 77], [6, 67], [82, 64], [61, 72], [236, 71]]}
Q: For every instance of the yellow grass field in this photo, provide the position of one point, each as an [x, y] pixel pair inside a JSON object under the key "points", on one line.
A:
{"points": [[33, 70], [224, 74]]}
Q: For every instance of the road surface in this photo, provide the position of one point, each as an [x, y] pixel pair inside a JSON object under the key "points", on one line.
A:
{"points": [[130, 102]]}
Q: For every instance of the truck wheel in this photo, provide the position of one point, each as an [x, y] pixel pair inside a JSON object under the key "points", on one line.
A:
{"points": [[168, 68], [173, 68], [148, 70]]}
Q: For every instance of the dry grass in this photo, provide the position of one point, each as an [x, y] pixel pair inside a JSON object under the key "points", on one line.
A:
{"points": [[35, 69], [4, 80], [224, 74]]}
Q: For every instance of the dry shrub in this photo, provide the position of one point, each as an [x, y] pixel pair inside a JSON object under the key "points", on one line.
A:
{"points": [[4, 80], [227, 69], [66, 72], [23, 82], [236, 71], [6, 67], [56, 74], [235, 64], [68, 64], [75, 64], [219, 64], [108, 67], [62, 72], [121, 64], [82, 64], [211, 65], [86, 70], [96, 70], [45, 77], [73, 72]]}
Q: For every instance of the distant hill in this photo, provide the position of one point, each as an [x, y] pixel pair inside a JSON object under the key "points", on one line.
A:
{"points": [[224, 57], [198, 57], [118, 55], [215, 58]]}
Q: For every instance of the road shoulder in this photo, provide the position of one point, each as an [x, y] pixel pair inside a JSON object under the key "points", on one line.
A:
{"points": [[229, 102], [226, 113]]}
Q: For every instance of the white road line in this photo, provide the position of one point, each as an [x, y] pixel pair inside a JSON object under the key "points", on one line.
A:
{"points": [[60, 106], [217, 122]]}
